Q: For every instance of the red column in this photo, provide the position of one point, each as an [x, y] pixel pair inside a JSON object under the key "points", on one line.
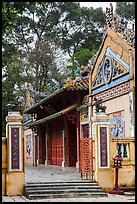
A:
{"points": [[116, 178]]}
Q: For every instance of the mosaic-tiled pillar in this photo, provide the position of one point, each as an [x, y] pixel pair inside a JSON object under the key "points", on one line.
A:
{"points": [[15, 154]]}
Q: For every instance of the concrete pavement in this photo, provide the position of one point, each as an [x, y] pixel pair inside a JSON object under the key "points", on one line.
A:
{"points": [[42, 173]]}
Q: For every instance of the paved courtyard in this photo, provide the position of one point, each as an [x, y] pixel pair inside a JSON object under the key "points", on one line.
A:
{"points": [[44, 173]]}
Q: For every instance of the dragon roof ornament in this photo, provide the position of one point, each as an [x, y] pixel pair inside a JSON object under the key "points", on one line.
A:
{"points": [[119, 25]]}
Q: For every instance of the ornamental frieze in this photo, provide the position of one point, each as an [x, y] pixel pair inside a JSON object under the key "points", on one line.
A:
{"points": [[113, 92]]}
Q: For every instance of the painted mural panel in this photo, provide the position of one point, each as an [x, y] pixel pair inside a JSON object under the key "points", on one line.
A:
{"points": [[117, 124]]}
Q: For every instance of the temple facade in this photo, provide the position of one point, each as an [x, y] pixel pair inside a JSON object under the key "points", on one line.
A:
{"points": [[65, 127]]}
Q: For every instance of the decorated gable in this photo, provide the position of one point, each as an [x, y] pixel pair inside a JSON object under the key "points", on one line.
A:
{"points": [[114, 62]]}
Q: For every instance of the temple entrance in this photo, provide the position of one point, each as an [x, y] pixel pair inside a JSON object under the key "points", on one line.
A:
{"points": [[72, 144]]}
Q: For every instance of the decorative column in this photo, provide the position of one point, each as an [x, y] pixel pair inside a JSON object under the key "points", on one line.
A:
{"points": [[101, 134], [15, 154], [65, 150], [48, 146]]}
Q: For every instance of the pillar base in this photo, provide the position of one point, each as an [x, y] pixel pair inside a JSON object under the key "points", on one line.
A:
{"points": [[116, 191], [15, 183], [37, 162], [64, 163], [77, 166], [47, 162]]}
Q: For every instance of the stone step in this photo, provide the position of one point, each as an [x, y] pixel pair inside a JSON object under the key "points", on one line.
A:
{"points": [[57, 191], [63, 182], [67, 195], [63, 189], [60, 187], [130, 193]]}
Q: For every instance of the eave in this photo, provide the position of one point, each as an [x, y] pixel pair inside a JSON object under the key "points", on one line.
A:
{"points": [[53, 116]]}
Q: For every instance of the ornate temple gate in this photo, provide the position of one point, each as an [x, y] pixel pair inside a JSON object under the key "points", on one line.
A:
{"points": [[86, 158]]}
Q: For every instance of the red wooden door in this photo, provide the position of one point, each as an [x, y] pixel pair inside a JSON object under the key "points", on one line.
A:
{"points": [[53, 149], [59, 141], [59, 151], [57, 146]]}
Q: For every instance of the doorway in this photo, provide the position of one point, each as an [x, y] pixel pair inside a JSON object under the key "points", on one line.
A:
{"points": [[72, 144]]}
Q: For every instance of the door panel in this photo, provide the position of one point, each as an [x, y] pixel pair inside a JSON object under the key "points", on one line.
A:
{"points": [[57, 146], [53, 149]]}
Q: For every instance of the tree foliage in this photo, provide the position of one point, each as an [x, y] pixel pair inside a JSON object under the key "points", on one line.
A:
{"points": [[80, 28], [83, 56], [10, 13], [34, 34], [126, 10]]}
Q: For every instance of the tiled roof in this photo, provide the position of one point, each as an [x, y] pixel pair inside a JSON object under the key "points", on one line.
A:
{"points": [[44, 100], [80, 83], [53, 116]]}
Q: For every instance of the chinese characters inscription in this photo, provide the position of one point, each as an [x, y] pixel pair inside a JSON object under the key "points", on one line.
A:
{"points": [[103, 147], [15, 148]]}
